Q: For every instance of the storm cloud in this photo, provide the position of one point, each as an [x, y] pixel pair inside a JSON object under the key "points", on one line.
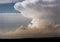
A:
{"points": [[42, 12], [45, 15]]}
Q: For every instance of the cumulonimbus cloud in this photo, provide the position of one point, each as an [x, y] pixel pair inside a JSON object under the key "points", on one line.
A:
{"points": [[42, 12], [45, 17]]}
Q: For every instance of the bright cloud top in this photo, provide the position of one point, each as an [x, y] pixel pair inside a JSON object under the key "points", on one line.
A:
{"points": [[42, 12]]}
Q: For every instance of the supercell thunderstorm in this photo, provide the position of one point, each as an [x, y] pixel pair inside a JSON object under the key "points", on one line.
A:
{"points": [[45, 15]]}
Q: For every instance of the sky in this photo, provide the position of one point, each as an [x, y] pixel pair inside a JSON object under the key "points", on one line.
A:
{"points": [[10, 19], [29, 18], [6, 6]]}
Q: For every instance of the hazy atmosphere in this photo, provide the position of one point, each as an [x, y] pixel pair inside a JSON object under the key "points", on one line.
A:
{"points": [[29, 18]]}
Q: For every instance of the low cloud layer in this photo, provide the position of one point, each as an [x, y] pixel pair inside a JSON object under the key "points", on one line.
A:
{"points": [[11, 21], [31, 33]]}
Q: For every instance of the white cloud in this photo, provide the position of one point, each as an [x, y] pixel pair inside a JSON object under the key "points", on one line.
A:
{"points": [[8, 1], [41, 13]]}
